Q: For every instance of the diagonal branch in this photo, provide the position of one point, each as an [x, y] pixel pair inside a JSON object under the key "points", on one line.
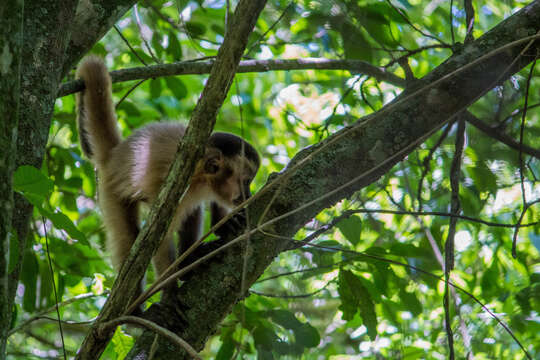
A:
{"points": [[190, 150]]}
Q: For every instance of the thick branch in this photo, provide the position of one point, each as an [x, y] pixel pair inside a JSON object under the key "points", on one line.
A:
{"points": [[189, 152], [92, 20], [246, 66], [348, 160]]}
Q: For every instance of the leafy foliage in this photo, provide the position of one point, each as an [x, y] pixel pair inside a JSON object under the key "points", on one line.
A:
{"points": [[363, 289]]}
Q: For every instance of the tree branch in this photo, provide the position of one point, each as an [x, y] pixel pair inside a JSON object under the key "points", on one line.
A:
{"points": [[496, 134], [245, 66], [169, 335], [190, 150]]}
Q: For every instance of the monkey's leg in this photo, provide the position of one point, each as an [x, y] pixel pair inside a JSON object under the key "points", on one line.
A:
{"points": [[121, 222]]}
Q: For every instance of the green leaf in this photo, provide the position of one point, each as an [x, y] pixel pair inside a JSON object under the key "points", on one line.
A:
{"points": [[30, 181], [355, 44], [263, 354], [45, 284], [356, 298], [61, 221], [411, 302], [174, 49], [307, 336], [285, 318], [483, 177], [176, 86], [351, 228], [122, 343], [14, 315], [264, 337], [226, 350], [29, 275], [13, 251], [195, 28], [130, 108], [155, 88]]}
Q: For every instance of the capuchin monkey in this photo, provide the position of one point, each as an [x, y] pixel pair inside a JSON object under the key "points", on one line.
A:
{"points": [[131, 171]]}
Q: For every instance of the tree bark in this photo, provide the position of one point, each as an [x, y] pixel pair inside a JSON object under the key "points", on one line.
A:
{"points": [[335, 168], [46, 59], [11, 23]]}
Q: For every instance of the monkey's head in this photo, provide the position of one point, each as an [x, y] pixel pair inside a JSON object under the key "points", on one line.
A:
{"points": [[229, 166]]}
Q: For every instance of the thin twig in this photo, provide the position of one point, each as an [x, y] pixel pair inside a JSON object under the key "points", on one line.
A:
{"points": [[426, 163], [169, 335], [270, 28], [455, 173], [469, 20], [410, 53], [406, 19], [521, 167], [141, 33], [54, 287], [301, 271], [40, 314], [500, 136], [129, 92], [288, 296], [129, 46]]}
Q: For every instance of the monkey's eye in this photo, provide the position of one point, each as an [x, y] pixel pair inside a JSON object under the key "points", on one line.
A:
{"points": [[211, 166]]}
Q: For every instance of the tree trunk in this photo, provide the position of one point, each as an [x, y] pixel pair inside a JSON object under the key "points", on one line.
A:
{"points": [[48, 53], [11, 23]]}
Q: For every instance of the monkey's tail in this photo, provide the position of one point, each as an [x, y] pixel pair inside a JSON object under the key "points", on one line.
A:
{"points": [[96, 117]]}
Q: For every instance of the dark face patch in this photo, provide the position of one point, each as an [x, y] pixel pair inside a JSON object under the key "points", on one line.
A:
{"points": [[231, 145]]}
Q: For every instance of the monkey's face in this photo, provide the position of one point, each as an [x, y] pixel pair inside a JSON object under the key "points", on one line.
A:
{"points": [[229, 178]]}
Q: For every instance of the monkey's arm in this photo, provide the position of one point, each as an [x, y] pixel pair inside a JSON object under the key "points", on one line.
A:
{"points": [[218, 212], [190, 230]]}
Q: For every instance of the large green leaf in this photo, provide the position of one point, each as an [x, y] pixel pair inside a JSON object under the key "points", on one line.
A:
{"points": [[351, 228], [356, 298], [31, 182]]}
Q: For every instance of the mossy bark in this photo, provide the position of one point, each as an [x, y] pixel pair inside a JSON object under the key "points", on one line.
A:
{"points": [[49, 50]]}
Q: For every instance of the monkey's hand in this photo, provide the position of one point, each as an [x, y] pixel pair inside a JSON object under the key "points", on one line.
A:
{"points": [[232, 226]]}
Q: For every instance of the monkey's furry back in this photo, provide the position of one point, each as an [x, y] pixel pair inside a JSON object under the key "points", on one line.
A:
{"points": [[95, 111]]}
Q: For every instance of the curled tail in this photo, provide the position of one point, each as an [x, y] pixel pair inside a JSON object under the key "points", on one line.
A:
{"points": [[96, 118]]}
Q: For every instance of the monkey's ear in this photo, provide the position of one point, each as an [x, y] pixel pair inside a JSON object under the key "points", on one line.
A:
{"points": [[212, 162]]}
